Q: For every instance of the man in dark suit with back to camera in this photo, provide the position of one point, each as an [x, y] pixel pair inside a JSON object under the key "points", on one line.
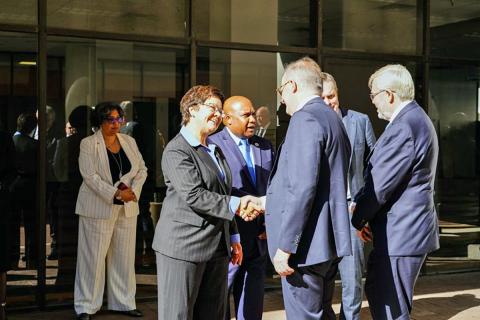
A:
{"points": [[397, 200], [362, 139], [306, 204], [250, 160]]}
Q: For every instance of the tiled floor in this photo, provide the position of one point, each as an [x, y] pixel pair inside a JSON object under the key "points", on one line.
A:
{"points": [[439, 297]]}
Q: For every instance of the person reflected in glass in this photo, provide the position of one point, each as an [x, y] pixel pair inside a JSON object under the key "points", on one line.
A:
{"points": [[113, 173], [24, 189], [145, 229], [7, 173], [196, 234], [65, 165]]}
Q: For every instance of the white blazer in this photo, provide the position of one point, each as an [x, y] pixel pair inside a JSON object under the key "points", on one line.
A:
{"points": [[95, 197]]}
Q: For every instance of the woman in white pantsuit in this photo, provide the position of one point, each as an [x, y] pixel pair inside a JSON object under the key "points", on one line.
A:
{"points": [[113, 173]]}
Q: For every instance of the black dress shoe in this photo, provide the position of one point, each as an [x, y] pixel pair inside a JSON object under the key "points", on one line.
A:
{"points": [[83, 316], [132, 313]]}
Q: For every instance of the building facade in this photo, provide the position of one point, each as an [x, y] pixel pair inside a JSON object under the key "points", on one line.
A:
{"points": [[69, 53]]}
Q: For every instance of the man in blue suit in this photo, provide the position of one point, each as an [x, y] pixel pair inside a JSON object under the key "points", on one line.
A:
{"points": [[250, 160], [362, 139], [397, 200], [306, 204]]}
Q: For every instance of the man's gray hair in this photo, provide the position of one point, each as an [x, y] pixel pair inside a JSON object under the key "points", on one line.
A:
{"points": [[327, 77], [396, 78], [306, 73]]}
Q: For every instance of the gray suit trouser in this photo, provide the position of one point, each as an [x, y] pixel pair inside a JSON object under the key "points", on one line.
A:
{"points": [[308, 292], [192, 290], [389, 285]]}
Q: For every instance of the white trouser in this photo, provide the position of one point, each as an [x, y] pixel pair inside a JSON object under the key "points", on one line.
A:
{"points": [[111, 241]]}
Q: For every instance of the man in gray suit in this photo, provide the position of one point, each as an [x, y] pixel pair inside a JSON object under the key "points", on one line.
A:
{"points": [[362, 139], [397, 199], [306, 204]]}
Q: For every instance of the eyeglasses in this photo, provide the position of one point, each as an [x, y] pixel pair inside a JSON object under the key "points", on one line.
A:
{"points": [[279, 90], [213, 108], [113, 120], [373, 95]]}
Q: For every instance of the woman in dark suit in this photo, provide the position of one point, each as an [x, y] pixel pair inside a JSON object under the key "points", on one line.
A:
{"points": [[196, 231]]}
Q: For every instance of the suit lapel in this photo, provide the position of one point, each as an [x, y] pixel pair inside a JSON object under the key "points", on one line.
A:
{"points": [[257, 157], [102, 153], [275, 163], [351, 128], [208, 161], [238, 154], [226, 169]]}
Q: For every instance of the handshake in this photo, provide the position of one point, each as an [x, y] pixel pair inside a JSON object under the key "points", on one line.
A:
{"points": [[251, 207]]}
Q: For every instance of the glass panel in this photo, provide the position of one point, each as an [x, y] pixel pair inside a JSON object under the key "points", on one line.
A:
{"points": [[353, 92], [150, 80], [454, 28], [22, 12], [143, 17], [255, 75], [371, 25], [453, 107], [19, 230], [280, 22]]}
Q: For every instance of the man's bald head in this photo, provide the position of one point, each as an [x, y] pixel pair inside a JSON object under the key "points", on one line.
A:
{"points": [[263, 116], [239, 116]]}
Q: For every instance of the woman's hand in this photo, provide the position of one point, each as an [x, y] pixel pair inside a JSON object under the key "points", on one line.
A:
{"points": [[237, 253], [127, 195]]}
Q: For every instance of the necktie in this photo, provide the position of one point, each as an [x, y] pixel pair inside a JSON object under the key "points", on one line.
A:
{"points": [[246, 155]]}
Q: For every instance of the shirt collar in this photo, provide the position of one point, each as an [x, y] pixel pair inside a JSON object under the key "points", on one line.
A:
{"points": [[307, 100], [400, 107], [265, 126], [235, 138], [339, 113], [189, 137]]}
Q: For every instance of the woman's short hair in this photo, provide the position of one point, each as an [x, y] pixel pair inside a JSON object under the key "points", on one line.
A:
{"points": [[26, 123], [102, 112], [195, 97]]}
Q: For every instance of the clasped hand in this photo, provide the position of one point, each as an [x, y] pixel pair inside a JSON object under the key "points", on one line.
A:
{"points": [[250, 208], [127, 195]]}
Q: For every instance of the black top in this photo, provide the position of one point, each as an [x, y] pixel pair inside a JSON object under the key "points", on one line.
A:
{"points": [[119, 163]]}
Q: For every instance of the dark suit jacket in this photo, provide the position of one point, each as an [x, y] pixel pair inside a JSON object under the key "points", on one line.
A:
{"points": [[306, 210], [195, 214], [397, 199], [362, 139], [241, 181], [7, 173]]}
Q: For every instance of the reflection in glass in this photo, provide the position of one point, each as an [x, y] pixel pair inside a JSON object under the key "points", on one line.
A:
{"points": [[280, 22], [153, 17], [147, 81], [371, 26], [454, 28], [23, 12], [18, 169], [255, 75], [453, 102]]}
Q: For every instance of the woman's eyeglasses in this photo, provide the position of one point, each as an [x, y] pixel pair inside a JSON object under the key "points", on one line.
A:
{"points": [[113, 120]]}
